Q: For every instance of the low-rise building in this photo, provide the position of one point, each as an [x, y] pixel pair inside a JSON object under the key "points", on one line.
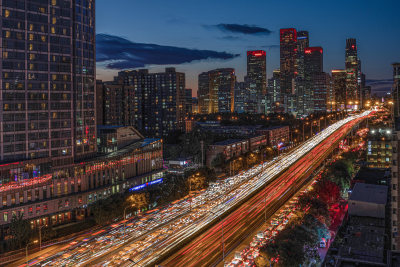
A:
{"points": [[368, 200], [276, 135], [379, 148], [57, 197], [235, 147], [230, 148]]}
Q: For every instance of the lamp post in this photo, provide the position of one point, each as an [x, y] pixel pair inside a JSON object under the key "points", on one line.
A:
{"points": [[40, 237], [26, 250]]}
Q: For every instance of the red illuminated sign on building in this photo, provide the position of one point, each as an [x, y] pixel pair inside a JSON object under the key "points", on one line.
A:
{"points": [[256, 53], [310, 50]]}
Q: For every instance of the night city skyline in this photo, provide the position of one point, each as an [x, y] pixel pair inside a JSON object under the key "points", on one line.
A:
{"points": [[246, 26], [199, 133]]}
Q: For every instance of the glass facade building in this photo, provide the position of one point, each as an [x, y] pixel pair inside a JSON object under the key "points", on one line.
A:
{"points": [[47, 81]]}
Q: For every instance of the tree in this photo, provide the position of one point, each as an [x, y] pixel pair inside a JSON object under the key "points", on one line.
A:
{"points": [[106, 210], [20, 231], [219, 160], [328, 191]]}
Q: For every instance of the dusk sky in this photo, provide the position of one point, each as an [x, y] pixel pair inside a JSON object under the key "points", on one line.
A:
{"points": [[197, 36]]}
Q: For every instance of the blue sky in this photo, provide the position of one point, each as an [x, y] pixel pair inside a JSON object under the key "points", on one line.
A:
{"points": [[198, 26]]}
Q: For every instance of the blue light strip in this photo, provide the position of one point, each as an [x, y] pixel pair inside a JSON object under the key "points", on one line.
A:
{"points": [[138, 187]]}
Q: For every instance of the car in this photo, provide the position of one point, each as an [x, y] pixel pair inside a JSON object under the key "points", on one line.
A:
{"points": [[322, 243]]}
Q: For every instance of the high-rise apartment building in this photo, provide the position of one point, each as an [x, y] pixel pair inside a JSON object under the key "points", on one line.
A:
{"points": [[257, 77], [396, 89], [114, 104], [216, 91], [50, 171], [395, 188], [241, 97], [188, 101], [158, 100], [288, 60], [321, 91], [352, 74], [339, 89], [47, 82]]}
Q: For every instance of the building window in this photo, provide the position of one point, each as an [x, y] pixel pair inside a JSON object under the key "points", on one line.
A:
{"points": [[5, 216]]}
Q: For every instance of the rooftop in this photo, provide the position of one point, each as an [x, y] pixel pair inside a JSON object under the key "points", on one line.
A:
{"points": [[369, 193], [228, 142]]}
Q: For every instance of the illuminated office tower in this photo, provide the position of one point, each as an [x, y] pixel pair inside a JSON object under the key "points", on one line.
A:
{"points": [[339, 89], [351, 64], [288, 63], [313, 61], [257, 78]]}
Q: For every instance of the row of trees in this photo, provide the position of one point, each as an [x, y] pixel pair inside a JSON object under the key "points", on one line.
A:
{"points": [[173, 187], [298, 242], [243, 162]]}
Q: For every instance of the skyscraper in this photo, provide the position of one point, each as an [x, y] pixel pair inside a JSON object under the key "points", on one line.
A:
{"points": [[158, 100], [241, 97], [302, 44], [322, 91], [396, 89], [188, 101], [273, 97], [257, 77], [48, 82], [216, 91], [313, 66], [395, 192], [339, 89], [352, 74], [288, 63]]}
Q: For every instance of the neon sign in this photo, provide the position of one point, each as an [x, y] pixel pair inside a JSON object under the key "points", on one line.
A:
{"points": [[138, 187]]}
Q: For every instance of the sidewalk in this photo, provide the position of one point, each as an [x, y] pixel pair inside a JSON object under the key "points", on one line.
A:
{"points": [[338, 216]]}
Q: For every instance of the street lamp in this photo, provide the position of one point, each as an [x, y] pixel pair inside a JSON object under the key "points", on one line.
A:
{"points": [[40, 237], [26, 250]]}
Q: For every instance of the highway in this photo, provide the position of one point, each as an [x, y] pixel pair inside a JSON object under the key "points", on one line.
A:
{"points": [[206, 250], [148, 238]]}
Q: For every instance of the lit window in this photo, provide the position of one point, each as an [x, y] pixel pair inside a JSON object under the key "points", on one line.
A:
{"points": [[31, 27], [8, 34], [6, 13], [54, 20], [30, 37], [53, 30], [53, 2]]}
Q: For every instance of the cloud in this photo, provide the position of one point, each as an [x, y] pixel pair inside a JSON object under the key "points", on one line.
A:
{"points": [[119, 53], [230, 38], [380, 86], [241, 28]]}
